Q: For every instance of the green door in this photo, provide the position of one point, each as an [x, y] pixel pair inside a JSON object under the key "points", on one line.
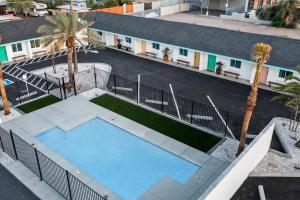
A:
{"points": [[211, 64], [3, 55]]}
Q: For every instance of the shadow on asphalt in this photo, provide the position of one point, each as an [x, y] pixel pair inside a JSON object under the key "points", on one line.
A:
{"points": [[276, 188]]}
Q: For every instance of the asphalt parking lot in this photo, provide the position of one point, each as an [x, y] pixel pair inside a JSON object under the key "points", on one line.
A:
{"points": [[276, 188], [12, 189], [226, 94]]}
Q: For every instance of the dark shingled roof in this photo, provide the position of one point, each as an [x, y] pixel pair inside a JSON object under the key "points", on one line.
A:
{"points": [[25, 29], [286, 52], [19, 30]]}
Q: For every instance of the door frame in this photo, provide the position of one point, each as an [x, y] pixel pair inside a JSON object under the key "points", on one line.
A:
{"points": [[209, 57], [197, 58]]}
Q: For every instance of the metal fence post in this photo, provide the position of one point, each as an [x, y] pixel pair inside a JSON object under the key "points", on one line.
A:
{"points": [[1, 144], [47, 83], [162, 101], [95, 74], [192, 112], [38, 163], [64, 86], [137, 93], [74, 84], [226, 123], [13, 143], [115, 85], [20, 100], [61, 94], [69, 186], [139, 89]]}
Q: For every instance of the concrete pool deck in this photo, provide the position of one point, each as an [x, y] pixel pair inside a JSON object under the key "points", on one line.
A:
{"points": [[76, 110]]}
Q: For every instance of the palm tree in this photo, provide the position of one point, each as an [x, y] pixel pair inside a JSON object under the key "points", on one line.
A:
{"points": [[290, 93], [61, 30], [260, 54], [3, 93]]}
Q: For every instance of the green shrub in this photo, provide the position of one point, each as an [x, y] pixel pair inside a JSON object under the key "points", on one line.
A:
{"points": [[283, 14]]}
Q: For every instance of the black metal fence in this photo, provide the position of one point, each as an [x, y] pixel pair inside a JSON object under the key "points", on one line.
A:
{"points": [[206, 116], [220, 121], [20, 92], [62, 181]]}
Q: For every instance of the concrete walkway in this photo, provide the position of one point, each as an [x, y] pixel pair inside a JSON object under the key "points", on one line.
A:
{"points": [[235, 25]]}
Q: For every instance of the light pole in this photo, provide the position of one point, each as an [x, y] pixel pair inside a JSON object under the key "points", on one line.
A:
{"points": [[207, 6]]}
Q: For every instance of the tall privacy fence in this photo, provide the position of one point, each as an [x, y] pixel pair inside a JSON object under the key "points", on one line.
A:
{"points": [[62, 181], [222, 122]]}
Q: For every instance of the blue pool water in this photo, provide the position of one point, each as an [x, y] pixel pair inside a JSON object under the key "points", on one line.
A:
{"points": [[7, 82], [115, 158]]}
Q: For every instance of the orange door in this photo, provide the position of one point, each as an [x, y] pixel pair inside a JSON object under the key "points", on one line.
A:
{"points": [[264, 75], [143, 46]]}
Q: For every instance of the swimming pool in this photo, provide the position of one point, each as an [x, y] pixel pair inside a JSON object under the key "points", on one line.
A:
{"points": [[124, 163]]}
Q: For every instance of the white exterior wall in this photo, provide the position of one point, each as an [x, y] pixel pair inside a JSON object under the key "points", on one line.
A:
{"points": [[137, 45], [245, 71], [236, 173], [174, 52], [11, 54], [138, 7], [168, 10], [159, 53], [156, 4], [109, 39], [273, 76], [124, 43], [189, 57]]}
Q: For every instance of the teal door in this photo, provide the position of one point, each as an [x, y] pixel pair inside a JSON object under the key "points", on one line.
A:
{"points": [[3, 55], [211, 64]]}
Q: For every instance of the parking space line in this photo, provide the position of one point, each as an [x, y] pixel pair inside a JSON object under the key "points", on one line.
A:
{"points": [[39, 81]]}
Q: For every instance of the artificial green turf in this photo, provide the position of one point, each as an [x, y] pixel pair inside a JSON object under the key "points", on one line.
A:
{"points": [[179, 131], [40, 103]]}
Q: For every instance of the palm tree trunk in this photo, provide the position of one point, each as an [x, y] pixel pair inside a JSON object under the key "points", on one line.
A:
{"points": [[250, 107], [75, 61], [71, 6], [70, 65], [3, 93]]}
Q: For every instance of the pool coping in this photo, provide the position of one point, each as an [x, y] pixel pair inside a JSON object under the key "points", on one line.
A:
{"points": [[43, 121]]}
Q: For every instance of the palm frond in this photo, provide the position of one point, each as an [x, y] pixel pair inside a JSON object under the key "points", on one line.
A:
{"points": [[261, 53]]}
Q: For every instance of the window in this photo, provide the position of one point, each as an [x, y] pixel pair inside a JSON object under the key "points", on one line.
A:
{"points": [[284, 73], [16, 47], [128, 40], [235, 63], [155, 46], [99, 33], [183, 52], [35, 44]]}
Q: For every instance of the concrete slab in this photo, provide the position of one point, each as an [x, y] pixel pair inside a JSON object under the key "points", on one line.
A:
{"points": [[195, 156], [32, 124], [175, 146], [154, 137], [68, 125]]}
